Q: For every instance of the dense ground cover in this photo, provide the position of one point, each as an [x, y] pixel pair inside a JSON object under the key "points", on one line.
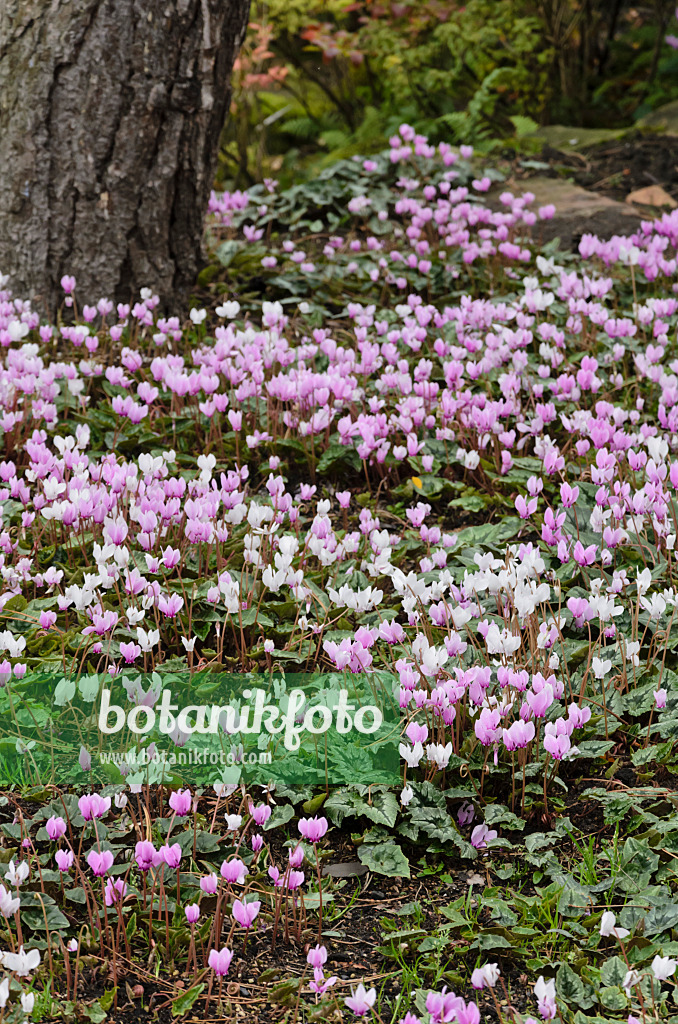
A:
{"points": [[403, 446]]}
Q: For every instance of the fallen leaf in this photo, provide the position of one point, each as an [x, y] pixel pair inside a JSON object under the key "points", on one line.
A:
{"points": [[653, 195]]}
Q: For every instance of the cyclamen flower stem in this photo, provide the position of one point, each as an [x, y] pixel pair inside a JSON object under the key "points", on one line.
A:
{"points": [[150, 911], [320, 893], [121, 926], [107, 928], [163, 895], [209, 993], [191, 952], [49, 943], [67, 965]]}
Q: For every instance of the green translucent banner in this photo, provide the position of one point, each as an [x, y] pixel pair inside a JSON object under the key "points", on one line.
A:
{"points": [[200, 728]]}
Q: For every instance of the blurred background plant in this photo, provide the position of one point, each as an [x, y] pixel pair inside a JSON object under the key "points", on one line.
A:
{"points": [[320, 80]]}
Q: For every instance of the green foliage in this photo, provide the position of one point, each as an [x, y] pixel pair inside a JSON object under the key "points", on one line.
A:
{"points": [[318, 81]]}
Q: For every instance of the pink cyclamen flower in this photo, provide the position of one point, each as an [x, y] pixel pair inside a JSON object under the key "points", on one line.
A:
{"points": [[584, 556], [466, 814], [220, 961], [144, 853], [55, 827], [518, 735], [317, 957], [313, 829], [180, 801], [525, 508], [660, 698], [442, 1006], [209, 883], [245, 913], [64, 860], [481, 836], [192, 912], [296, 856], [100, 863], [261, 814], [114, 891], [320, 983], [467, 1013], [361, 1000], [94, 806], [171, 855], [275, 876], [234, 871], [557, 746]]}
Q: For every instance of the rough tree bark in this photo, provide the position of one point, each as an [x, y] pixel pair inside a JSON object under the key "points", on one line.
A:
{"points": [[110, 116]]}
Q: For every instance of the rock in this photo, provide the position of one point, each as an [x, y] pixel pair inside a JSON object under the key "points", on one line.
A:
{"points": [[345, 869], [578, 211], [664, 118], [568, 198], [563, 137], [653, 195]]}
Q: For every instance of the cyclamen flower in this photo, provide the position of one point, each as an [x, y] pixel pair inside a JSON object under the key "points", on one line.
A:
{"points": [[466, 814], [317, 957], [467, 1013], [663, 967], [114, 891], [245, 913], [313, 829], [17, 873], [94, 806], [296, 856], [545, 991], [220, 961], [524, 508], [8, 904], [192, 912], [234, 871], [442, 1006], [486, 976], [181, 801], [170, 855], [608, 926], [55, 827], [631, 979], [406, 795], [144, 852], [320, 983], [361, 1000], [660, 697], [100, 863], [64, 860], [261, 814], [21, 963], [557, 746], [518, 735], [481, 836]]}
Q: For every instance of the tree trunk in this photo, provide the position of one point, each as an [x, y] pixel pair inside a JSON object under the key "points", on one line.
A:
{"points": [[110, 117]]}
